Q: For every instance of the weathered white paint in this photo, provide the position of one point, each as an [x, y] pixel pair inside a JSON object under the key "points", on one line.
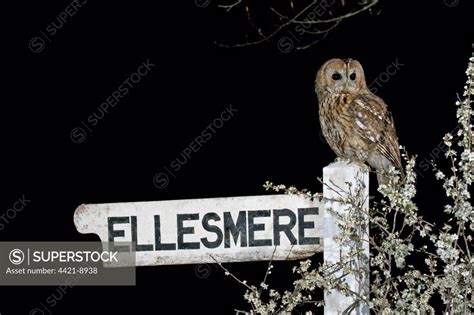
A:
{"points": [[94, 218], [335, 177]]}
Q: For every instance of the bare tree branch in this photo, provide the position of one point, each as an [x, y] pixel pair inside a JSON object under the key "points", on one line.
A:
{"points": [[306, 18]]}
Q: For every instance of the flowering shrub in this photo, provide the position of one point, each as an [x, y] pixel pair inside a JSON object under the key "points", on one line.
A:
{"points": [[396, 287]]}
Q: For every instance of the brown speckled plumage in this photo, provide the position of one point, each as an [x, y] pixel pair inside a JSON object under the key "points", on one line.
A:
{"points": [[355, 122]]}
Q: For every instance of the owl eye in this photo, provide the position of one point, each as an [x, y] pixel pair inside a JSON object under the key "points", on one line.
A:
{"points": [[336, 76], [353, 76]]}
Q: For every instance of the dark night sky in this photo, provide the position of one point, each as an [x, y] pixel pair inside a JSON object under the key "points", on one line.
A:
{"points": [[274, 135]]}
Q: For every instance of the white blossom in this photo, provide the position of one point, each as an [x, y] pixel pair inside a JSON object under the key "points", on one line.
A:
{"points": [[397, 288]]}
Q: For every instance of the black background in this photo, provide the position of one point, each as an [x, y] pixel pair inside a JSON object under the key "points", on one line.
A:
{"points": [[273, 136]]}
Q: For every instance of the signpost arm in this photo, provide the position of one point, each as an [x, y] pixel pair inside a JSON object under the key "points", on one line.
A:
{"points": [[339, 178]]}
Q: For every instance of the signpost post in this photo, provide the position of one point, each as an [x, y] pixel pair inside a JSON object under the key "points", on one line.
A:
{"points": [[335, 179]]}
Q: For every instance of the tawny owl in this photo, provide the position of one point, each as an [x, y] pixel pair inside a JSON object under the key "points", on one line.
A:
{"points": [[355, 122]]}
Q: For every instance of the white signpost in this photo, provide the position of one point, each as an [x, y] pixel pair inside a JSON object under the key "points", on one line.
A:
{"points": [[236, 229], [198, 231]]}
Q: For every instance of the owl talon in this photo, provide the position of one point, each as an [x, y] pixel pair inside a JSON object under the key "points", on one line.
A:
{"points": [[362, 165], [341, 160]]}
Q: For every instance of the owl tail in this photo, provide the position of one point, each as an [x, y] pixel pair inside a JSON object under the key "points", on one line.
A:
{"points": [[383, 179]]}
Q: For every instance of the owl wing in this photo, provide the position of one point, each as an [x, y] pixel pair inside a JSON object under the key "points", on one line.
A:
{"points": [[374, 123]]}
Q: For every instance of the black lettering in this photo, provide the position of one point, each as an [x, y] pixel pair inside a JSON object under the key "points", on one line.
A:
{"points": [[257, 227], [186, 230], [286, 228], [158, 244], [116, 233], [138, 248], [236, 229], [303, 225], [211, 228]]}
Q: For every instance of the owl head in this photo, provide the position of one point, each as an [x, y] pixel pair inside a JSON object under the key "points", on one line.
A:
{"points": [[340, 76]]}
